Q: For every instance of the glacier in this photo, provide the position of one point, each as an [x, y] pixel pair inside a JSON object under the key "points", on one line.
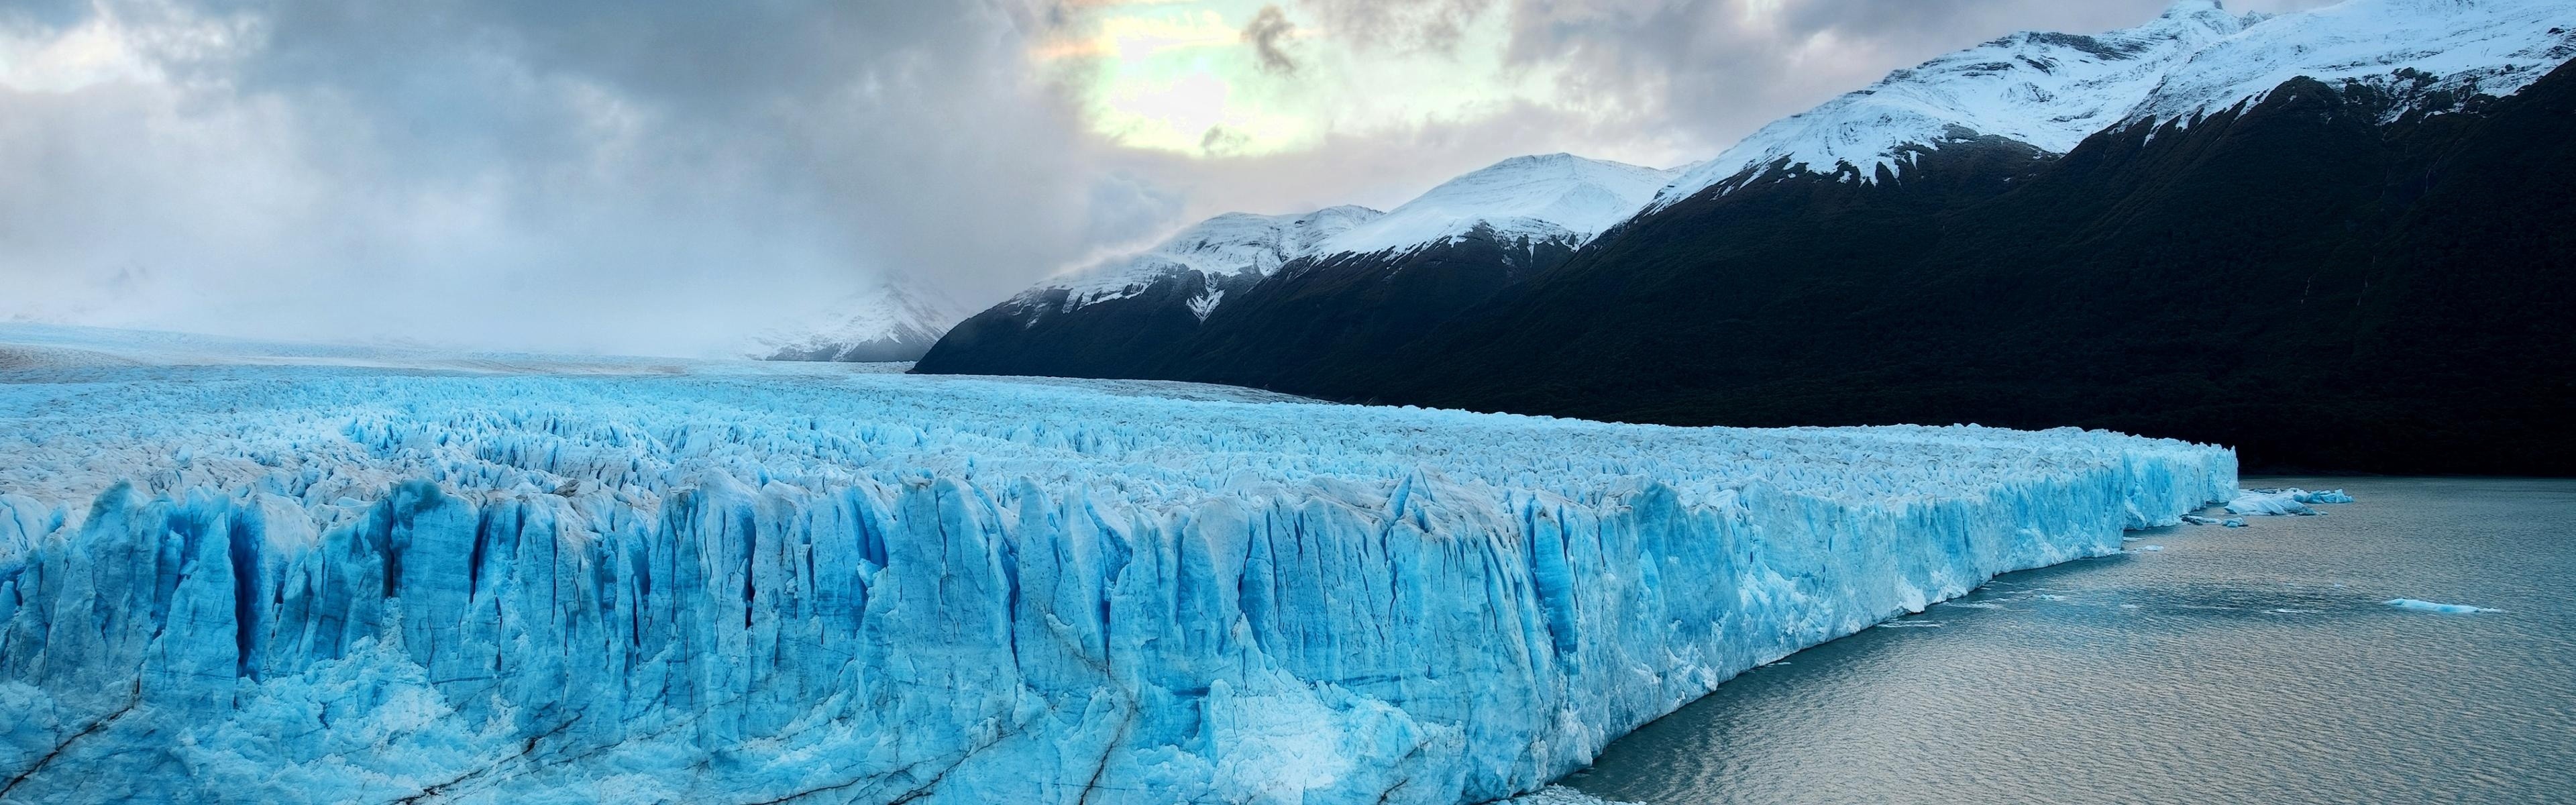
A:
{"points": [[227, 576]]}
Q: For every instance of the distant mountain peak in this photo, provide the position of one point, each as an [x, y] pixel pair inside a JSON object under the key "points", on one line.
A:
{"points": [[892, 318], [1227, 244], [1552, 197], [2051, 90]]}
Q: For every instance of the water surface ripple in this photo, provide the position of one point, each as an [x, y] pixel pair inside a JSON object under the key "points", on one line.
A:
{"points": [[2234, 665]]}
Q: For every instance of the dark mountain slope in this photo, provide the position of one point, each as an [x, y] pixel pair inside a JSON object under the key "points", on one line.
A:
{"points": [[1304, 323], [2295, 278], [1119, 338]]}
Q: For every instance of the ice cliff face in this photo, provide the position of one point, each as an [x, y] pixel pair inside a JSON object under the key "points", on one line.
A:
{"points": [[2052, 90], [766, 582]]}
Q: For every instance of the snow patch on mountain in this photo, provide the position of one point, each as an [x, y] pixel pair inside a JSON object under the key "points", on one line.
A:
{"points": [[893, 319], [1558, 198], [2495, 47], [1229, 244], [2051, 90]]}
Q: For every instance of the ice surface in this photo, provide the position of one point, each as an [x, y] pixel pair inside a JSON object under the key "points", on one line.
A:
{"points": [[2052, 90], [591, 581], [2428, 606]]}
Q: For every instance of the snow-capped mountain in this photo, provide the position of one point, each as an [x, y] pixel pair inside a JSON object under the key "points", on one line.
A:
{"points": [[894, 319], [1232, 244], [1558, 198], [2309, 225], [2495, 47], [2341, 195], [1455, 245], [2051, 90]]}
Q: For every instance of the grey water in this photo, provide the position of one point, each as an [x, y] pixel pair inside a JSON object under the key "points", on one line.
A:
{"points": [[2251, 664]]}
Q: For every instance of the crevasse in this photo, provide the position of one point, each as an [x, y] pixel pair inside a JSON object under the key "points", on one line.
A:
{"points": [[306, 584]]}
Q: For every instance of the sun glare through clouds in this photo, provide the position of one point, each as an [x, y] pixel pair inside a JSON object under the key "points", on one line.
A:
{"points": [[1221, 78]]}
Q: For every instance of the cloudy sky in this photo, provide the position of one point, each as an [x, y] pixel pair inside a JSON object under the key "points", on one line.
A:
{"points": [[671, 177]]}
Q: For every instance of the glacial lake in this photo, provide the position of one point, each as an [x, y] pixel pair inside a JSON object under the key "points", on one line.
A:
{"points": [[2251, 664]]}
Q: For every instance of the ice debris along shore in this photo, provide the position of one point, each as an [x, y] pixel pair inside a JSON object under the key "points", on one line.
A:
{"points": [[313, 583]]}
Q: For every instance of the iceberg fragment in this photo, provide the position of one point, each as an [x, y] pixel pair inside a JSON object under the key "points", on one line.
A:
{"points": [[329, 584], [2429, 606], [2268, 502], [2288, 501]]}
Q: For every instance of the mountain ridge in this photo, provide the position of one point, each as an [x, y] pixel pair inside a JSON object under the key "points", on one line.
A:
{"points": [[1963, 277]]}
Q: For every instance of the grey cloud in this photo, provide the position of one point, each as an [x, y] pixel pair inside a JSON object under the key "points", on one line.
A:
{"points": [[1714, 70], [1398, 24], [664, 177], [672, 176], [1266, 33]]}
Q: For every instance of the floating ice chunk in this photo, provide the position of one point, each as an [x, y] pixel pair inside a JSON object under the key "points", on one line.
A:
{"points": [[1909, 625], [2429, 606], [2150, 548], [2289, 611], [2287, 500], [1976, 604], [2193, 519], [1559, 795], [2051, 597], [2269, 502], [2234, 522]]}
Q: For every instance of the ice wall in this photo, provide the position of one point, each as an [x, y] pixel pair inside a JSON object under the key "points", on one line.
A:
{"points": [[315, 584]]}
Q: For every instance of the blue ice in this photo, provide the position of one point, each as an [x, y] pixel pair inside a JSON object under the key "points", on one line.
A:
{"points": [[505, 581]]}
